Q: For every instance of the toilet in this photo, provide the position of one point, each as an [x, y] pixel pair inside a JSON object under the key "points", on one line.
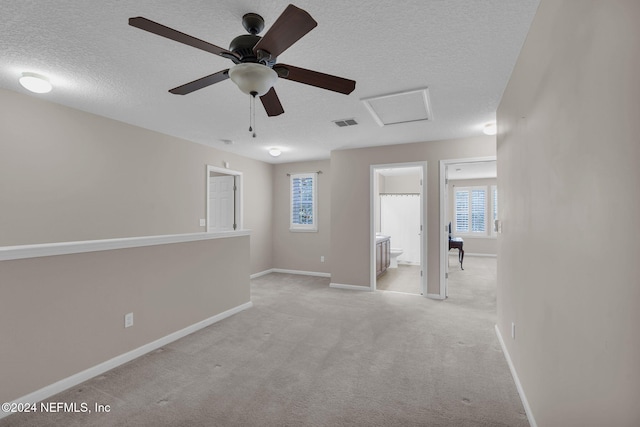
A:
{"points": [[394, 254]]}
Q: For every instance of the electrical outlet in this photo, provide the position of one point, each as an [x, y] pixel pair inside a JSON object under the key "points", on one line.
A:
{"points": [[128, 320], [203, 222], [513, 330], [322, 258]]}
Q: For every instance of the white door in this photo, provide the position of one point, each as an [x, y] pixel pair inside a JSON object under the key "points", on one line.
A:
{"points": [[221, 207]]}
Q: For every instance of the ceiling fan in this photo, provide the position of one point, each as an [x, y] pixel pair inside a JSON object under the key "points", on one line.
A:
{"points": [[256, 69]]}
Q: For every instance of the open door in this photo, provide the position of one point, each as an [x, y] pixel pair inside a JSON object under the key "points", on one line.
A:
{"points": [[221, 203], [224, 200], [454, 171], [397, 219]]}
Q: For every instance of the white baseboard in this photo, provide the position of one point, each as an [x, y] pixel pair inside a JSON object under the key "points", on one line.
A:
{"points": [[466, 254], [262, 273], [435, 296], [351, 287], [514, 374], [103, 367], [303, 273], [282, 270]]}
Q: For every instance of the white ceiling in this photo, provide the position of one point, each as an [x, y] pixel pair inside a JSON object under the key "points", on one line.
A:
{"points": [[463, 51]]}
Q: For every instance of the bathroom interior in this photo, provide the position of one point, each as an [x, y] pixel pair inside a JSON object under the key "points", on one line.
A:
{"points": [[398, 231]]}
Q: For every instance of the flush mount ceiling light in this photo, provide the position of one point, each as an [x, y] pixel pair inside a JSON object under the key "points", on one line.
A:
{"points": [[275, 152], [35, 83], [490, 129]]}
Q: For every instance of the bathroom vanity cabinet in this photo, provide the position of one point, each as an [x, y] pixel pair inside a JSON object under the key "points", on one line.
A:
{"points": [[383, 254]]}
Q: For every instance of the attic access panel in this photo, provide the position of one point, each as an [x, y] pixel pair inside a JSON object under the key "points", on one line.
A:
{"points": [[400, 107]]}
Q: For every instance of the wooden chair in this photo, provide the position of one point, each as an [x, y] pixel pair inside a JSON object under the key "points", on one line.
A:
{"points": [[457, 243]]}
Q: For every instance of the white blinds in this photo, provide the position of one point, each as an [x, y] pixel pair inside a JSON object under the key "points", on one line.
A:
{"points": [[470, 210], [462, 211], [303, 202], [478, 204]]}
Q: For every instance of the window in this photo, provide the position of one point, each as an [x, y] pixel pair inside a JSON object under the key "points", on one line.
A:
{"points": [[470, 210], [494, 208], [462, 211], [304, 209]]}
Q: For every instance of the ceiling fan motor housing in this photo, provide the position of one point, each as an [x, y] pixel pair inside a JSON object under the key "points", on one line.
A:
{"points": [[243, 44], [243, 47]]}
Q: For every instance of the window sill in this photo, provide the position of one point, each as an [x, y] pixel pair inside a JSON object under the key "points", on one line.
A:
{"points": [[303, 230]]}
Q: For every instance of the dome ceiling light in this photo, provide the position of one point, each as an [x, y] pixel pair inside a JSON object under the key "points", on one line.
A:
{"points": [[490, 129], [35, 83]]}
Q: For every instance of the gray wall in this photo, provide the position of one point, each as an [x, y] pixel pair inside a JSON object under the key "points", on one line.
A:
{"points": [[568, 270], [350, 202], [300, 250], [401, 184], [63, 314], [67, 175]]}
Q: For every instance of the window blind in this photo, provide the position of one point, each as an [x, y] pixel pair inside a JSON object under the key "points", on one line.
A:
{"points": [[302, 200], [478, 203], [462, 211], [304, 209]]}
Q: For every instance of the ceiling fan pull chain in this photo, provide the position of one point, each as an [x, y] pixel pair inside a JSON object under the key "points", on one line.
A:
{"points": [[252, 113], [250, 103]]}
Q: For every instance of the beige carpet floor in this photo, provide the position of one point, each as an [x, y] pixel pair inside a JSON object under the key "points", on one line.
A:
{"points": [[405, 278], [310, 355]]}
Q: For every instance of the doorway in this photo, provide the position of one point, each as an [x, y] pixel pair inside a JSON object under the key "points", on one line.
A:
{"points": [[397, 227], [223, 200], [468, 208]]}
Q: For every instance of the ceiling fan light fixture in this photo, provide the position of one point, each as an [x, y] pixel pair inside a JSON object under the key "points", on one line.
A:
{"points": [[490, 129], [252, 78], [35, 83]]}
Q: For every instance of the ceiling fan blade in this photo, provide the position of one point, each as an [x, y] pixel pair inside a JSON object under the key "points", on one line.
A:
{"points": [[315, 78], [290, 26], [170, 33], [271, 103], [200, 83]]}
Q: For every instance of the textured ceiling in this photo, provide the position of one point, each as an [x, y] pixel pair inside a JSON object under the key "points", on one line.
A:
{"points": [[463, 51]]}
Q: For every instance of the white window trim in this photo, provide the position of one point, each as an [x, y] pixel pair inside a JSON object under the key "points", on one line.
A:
{"points": [[470, 233], [309, 228]]}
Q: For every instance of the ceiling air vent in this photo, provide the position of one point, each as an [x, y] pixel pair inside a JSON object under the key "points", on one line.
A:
{"points": [[400, 107], [345, 122]]}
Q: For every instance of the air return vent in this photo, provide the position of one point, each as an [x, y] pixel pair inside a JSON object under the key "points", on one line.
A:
{"points": [[345, 122]]}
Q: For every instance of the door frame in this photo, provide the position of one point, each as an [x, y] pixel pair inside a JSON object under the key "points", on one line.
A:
{"points": [[373, 191], [238, 210], [444, 227]]}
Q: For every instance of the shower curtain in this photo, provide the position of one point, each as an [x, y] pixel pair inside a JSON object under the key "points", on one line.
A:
{"points": [[400, 219]]}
